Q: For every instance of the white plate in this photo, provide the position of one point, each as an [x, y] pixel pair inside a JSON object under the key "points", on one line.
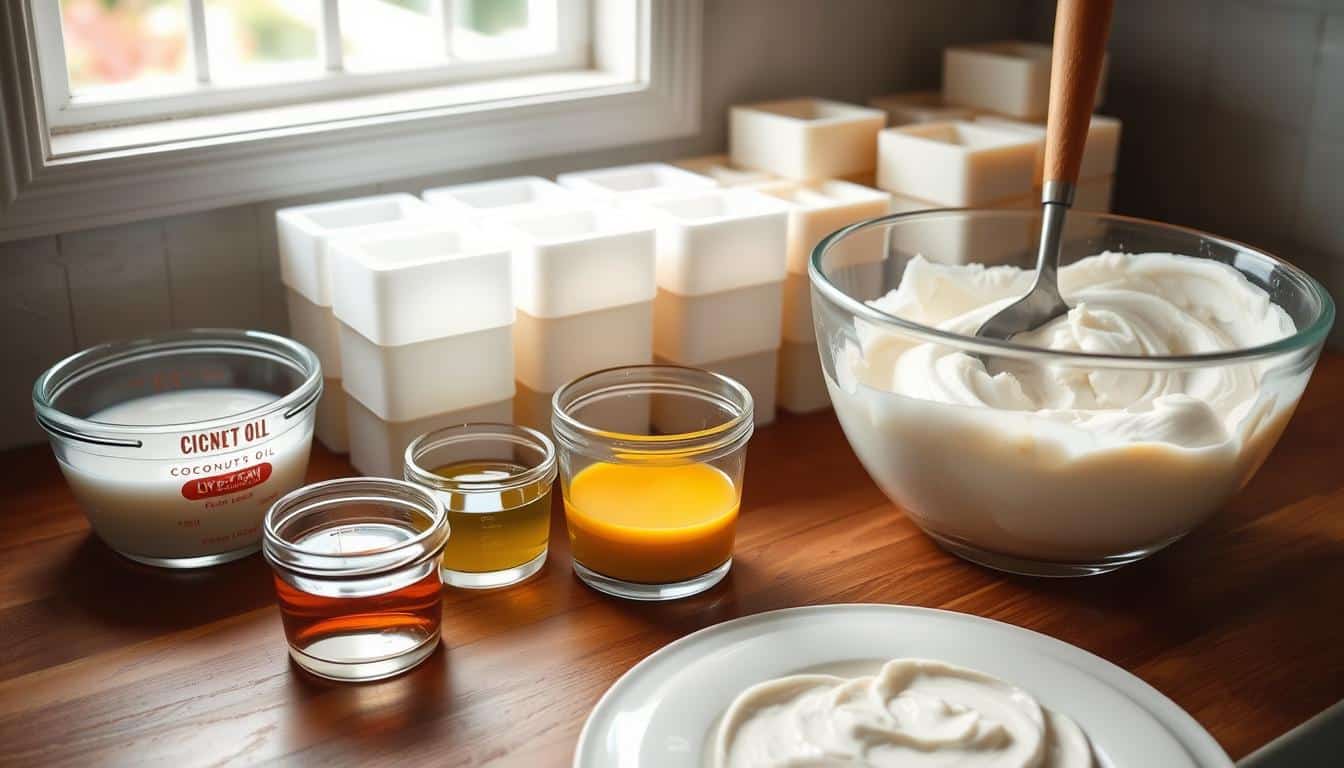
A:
{"points": [[663, 711]]}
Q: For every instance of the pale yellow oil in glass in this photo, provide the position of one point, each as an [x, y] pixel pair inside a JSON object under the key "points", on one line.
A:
{"points": [[494, 530]]}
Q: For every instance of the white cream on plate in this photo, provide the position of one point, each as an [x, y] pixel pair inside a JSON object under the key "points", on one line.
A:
{"points": [[914, 713], [1055, 462]]}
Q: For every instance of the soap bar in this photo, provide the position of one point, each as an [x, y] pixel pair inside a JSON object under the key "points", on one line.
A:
{"points": [[1099, 150], [484, 201], [721, 169], [632, 183], [805, 138], [919, 107], [957, 163], [719, 240], [410, 287], [1009, 77], [817, 209], [693, 330], [580, 260]]}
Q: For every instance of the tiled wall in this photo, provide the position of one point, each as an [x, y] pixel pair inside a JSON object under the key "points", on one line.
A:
{"points": [[1234, 121], [64, 293]]}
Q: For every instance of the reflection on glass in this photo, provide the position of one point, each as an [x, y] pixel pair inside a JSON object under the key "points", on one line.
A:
{"points": [[391, 34], [262, 39], [120, 42], [502, 29]]}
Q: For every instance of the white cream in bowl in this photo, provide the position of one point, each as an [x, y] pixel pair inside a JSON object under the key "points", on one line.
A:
{"points": [[914, 712], [1057, 462]]}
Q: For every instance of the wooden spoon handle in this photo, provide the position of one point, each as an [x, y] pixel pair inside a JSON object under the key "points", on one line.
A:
{"points": [[1081, 29]]}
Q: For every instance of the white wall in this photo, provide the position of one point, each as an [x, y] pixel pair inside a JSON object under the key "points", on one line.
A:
{"points": [[64, 293]]}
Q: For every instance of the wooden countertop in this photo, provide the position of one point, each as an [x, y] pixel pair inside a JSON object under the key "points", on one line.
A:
{"points": [[106, 662]]}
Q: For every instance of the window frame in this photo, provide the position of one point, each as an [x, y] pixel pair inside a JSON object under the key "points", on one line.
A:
{"points": [[202, 95], [637, 88]]}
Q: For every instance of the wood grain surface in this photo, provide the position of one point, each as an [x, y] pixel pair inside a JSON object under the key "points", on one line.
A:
{"points": [[105, 662]]}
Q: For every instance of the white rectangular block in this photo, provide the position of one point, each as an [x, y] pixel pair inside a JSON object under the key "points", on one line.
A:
{"points": [[721, 169], [919, 107], [797, 318], [628, 183], [415, 286], [719, 240], [331, 429], [304, 234], [628, 414], [816, 209], [378, 446], [580, 260], [756, 372], [1010, 77], [486, 200], [316, 328], [956, 163], [549, 352], [805, 138], [801, 382], [1099, 150], [963, 240], [412, 381], [691, 330]]}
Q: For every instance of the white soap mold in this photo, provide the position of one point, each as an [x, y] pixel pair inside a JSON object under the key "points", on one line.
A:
{"points": [[485, 201], [755, 371], [378, 446], [412, 381], [956, 163], [304, 235], [721, 169], [816, 209], [1010, 77], [316, 328], [1100, 149], [331, 429], [410, 287], [919, 107], [549, 352], [692, 330], [804, 138], [801, 384], [634, 183], [719, 240], [566, 262]]}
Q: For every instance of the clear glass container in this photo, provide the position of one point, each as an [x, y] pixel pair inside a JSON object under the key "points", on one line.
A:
{"points": [[356, 564], [494, 481], [175, 445], [651, 467], [1052, 490]]}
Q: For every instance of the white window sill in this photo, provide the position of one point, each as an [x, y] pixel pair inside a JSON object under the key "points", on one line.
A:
{"points": [[111, 175]]}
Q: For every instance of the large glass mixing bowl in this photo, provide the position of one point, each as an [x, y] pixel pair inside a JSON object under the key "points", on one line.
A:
{"points": [[1023, 490]]}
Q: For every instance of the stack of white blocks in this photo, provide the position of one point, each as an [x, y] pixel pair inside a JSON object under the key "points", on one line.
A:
{"points": [[811, 145], [980, 143], [305, 236], [583, 282]]}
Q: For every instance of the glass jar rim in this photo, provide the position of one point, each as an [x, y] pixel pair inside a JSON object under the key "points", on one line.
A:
{"points": [[1302, 338], [50, 385], [544, 471], [651, 379], [424, 545]]}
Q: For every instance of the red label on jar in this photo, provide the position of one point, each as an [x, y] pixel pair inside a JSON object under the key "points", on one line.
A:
{"points": [[229, 482]]}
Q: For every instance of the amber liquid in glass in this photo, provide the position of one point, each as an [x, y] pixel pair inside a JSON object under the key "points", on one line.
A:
{"points": [[494, 530], [374, 626]]}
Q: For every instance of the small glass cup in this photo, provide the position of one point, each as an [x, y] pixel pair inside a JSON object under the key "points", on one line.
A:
{"points": [[356, 575], [494, 481], [651, 465]]}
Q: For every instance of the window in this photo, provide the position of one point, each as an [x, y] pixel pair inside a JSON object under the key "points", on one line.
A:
{"points": [[115, 110], [107, 62]]}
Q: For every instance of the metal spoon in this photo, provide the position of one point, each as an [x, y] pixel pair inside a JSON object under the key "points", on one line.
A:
{"points": [[1081, 28]]}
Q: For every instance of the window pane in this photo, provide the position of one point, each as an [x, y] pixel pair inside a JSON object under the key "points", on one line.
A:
{"points": [[501, 29], [391, 34], [121, 42], [262, 39]]}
